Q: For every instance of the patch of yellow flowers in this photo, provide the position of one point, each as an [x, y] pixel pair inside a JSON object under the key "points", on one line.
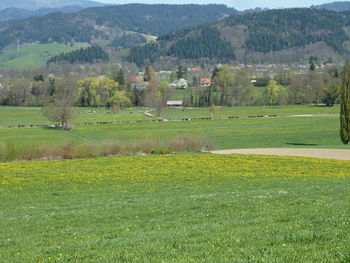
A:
{"points": [[163, 168]]}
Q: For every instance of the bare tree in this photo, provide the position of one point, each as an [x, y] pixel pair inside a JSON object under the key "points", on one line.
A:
{"points": [[157, 98], [60, 110]]}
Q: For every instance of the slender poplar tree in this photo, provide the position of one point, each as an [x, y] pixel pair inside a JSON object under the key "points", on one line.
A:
{"points": [[345, 105]]}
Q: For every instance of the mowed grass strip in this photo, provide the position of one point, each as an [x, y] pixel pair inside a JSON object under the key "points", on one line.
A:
{"points": [[321, 132], [176, 208]]}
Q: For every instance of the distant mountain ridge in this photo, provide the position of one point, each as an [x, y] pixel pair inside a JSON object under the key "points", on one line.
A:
{"points": [[14, 13], [335, 6], [274, 36], [105, 25], [40, 4]]}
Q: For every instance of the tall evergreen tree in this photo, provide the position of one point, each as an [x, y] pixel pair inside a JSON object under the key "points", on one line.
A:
{"points": [[312, 66], [180, 73], [345, 105], [120, 78], [149, 74]]}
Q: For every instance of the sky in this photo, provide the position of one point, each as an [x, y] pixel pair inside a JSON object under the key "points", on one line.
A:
{"points": [[238, 4]]}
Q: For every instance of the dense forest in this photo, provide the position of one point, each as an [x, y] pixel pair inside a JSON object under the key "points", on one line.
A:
{"points": [[128, 40], [101, 25], [84, 55], [264, 32], [206, 44], [275, 30]]}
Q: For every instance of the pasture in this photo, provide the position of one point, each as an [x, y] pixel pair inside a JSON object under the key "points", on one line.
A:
{"points": [[34, 55], [319, 132], [13, 116], [227, 112], [176, 208]]}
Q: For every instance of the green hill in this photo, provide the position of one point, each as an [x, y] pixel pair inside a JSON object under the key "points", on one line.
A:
{"points": [[103, 25], [34, 55], [285, 35]]}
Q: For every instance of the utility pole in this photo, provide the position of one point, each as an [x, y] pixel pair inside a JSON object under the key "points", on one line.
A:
{"points": [[17, 44]]}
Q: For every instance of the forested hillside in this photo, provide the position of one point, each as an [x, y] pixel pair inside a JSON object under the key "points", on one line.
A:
{"points": [[285, 33], [103, 25]]}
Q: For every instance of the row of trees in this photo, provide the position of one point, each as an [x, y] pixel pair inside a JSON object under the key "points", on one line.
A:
{"points": [[230, 87], [234, 88], [83, 55]]}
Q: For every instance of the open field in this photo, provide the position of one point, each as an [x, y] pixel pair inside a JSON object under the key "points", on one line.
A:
{"points": [[176, 208], [34, 55], [10, 116], [226, 112], [316, 132], [149, 38]]}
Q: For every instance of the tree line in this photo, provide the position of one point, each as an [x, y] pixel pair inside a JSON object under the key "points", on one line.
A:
{"points": [[91, 54], [232, 87]]}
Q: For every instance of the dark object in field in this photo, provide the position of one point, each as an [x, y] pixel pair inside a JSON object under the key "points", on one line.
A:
{"points": [[301, 144]]}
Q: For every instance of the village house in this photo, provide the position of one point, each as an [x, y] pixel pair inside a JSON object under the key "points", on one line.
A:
{"points": [[206, 82]]}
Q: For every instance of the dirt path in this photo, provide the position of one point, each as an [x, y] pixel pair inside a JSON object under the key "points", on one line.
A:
{"points": [[149, 114], [337, 154]]}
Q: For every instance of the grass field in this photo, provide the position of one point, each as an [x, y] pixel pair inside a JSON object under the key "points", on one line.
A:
{"points": [[176, 208], [32, 115], [35, 55], [226, 112], [149, 38], [322, 132], [10, 116]]}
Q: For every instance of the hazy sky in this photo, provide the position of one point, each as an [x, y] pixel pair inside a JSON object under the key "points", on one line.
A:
{"points": [[238, 4]]}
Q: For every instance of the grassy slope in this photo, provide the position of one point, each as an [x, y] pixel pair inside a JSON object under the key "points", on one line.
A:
{"points": [[182, 208], [32, 115], [148, 37], [226, 134], [35, 55]]}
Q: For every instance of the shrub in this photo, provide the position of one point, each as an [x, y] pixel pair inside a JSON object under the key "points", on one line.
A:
{"points": [[72, 150]]}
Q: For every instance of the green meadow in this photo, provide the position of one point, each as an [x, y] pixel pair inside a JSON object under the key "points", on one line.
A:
{"points": [[226, 112], [149, 38], [321, 132], [34, 55], [176, 208], [13, 116]]}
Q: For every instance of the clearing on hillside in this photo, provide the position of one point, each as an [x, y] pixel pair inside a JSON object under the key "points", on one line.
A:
{"points": [[34, 55]]}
